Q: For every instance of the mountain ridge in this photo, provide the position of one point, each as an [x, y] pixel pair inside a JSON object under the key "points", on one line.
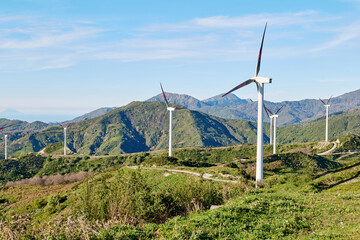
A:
{"points": [[138, 127]]}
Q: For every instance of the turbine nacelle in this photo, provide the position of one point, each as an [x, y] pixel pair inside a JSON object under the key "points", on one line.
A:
{"points": [[171, 108], [262, 79]]}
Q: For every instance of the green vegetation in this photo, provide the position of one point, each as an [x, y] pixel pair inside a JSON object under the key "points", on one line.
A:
{"points": [[349, 143], [141, 127], [138, 127], [151, 196], [53, 147], [24, 167], [341, 124]]}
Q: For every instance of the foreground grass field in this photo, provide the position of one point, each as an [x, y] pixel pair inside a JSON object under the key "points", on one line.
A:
{"points": [[149, 196]]}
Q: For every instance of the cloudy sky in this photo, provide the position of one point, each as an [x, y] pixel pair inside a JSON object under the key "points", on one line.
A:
{"points": [[65, 58]]}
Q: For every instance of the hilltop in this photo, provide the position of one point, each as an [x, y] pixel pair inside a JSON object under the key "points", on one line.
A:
{"points": [[139, 127]]}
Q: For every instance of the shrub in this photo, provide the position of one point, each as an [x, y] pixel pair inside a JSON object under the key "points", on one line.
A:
{"points": [[51, 180], [135, 199], [40, 203]]}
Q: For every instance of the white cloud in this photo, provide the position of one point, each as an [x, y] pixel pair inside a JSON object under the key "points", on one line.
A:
{"points": [[36, 44], [39, 38], [343, 35], [250, 21]]}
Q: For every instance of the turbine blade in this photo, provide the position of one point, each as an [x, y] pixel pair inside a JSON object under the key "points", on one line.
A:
{"points": [[60, 124], [328, 100], [163, 93], [179, 108], [266, 110], [280, 109], [1, 128], [247, 82], [322, 101], [257, 70]]}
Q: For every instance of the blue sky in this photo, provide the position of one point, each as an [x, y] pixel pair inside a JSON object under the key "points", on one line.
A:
{"points": [[65, 57]]}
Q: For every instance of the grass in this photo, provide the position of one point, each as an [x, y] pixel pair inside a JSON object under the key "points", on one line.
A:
{"points": [[301, 197]]}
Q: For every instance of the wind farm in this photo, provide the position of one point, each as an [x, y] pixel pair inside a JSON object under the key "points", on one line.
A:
{"points": [[116, 157]]}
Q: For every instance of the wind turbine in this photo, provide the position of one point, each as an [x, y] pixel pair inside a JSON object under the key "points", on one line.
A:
{"points": [[65, 127], [170, 109], [327, 118], [271, 124], [5, 139], [259, 81], [273, 117]]}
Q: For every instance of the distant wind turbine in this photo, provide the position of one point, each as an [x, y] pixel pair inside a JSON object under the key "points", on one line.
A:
{"points": [[273, 118], [327, 118], [5, 139], [259, 81], [271, 124], [65, 127], [170, 109]]}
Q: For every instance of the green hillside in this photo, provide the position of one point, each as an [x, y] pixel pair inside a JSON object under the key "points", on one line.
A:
{"points": [[143, 126], [340, 124], [138, 127], [123, 197]]}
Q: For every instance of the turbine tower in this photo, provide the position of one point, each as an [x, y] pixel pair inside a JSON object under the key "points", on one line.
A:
{"points": [[259, 81], [5, 139], [271, 125], [273, 117], [171, 110], [327, 105], [5, 136], [65, 127]]}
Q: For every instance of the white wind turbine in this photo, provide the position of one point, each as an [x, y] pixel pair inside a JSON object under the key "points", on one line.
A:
{"points": [[273, 118], [170, 109], [65, 127], [5, 140], [271, 125], [259, 81], [327, 118]]}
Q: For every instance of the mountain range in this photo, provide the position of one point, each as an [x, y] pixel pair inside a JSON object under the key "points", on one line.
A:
{"points": [[235, 108], [232, 107], [143, 126], [140, 126]]}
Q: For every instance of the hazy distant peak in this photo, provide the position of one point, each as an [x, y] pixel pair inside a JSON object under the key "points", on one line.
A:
{"points": [[230, 99], [180, 99]]}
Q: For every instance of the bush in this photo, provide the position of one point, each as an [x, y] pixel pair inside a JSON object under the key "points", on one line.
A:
{"points": [[136, 199], [51, 180], [40, 203]]}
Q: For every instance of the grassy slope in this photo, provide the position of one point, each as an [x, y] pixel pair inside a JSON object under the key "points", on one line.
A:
{"points": [[291, 205], [340, 125]]}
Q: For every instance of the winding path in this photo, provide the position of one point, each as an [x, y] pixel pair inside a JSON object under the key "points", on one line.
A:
{"points": [[329, 151], [205, 175]]}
